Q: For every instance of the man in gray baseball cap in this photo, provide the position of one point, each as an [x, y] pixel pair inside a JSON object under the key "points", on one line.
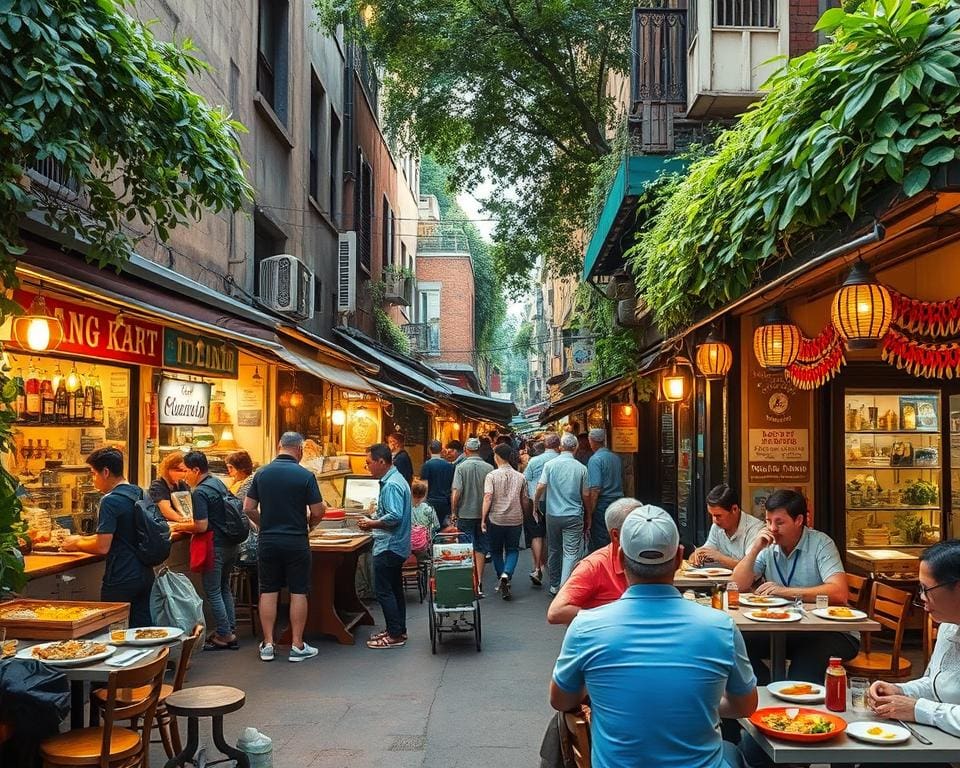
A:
{"points": [[649, 640]]}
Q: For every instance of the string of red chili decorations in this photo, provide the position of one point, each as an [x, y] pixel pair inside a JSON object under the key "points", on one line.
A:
{"points": [[822, 357]]}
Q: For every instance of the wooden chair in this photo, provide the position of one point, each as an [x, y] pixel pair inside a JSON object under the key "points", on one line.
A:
{"points": [[412, 573], [246, 606], [110, 745], [857, 591], [930, 630], [165, 724], [578, 730], [889, 607]]}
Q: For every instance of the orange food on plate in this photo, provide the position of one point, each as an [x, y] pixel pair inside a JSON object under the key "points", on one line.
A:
{"points": [[800, 689], [779, 615], [842, 613]]}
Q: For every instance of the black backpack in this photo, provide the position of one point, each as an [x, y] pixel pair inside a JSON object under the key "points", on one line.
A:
{"points": [[151, 530], [236, 526]]}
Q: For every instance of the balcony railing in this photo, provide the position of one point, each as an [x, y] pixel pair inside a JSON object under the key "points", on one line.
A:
{"points": [[447, 241], [367, 73], [52, 174], [424, 338], [659, 71]]}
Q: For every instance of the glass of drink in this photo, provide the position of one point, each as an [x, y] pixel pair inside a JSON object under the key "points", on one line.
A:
{"points": [[858, 693], [823, 601]]}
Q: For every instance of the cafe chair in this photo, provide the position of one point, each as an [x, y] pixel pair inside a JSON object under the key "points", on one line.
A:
{"points": [[930, 630], [888, 607], [578, 733], [858, 590], [165, 724], [413, 573], [110, 745]]}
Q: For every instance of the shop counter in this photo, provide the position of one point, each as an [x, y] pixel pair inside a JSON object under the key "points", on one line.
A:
{"points": [[48, 564]]}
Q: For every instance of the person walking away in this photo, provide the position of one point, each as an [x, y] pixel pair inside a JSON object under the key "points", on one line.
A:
{"points": [[605, 475], [599, 578], [564, 484], [466, 504], [690, 660], [208, 513], [535, 523], [284, 502], [437, 473], [583, 452], [171, 472], [125, 578], [401, 459], [391, 546], [485, 451], [732, 531], [505, 500], [514, 453]]}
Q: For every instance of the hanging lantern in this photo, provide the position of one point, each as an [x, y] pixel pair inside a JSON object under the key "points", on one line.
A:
{"points": [[39, 329], [714, 357], [861, 309], [339, 417], [776, 342], [673, 384]]}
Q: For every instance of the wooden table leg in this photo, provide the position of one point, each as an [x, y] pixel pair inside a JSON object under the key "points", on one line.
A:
{"points": [[193, 741], [221, 743]]}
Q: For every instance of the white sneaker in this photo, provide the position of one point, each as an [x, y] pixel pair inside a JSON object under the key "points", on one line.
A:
{"points": [[302, 654], [553, 590], [266, 652]]}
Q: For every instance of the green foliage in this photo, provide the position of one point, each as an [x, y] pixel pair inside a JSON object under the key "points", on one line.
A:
{"points": [[877, 104], [389, 333], [511, 90], [511, 345], [615, 349], [84, 84]]}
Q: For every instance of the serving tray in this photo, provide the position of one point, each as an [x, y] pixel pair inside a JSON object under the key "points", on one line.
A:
{"points": [[104, 614]]}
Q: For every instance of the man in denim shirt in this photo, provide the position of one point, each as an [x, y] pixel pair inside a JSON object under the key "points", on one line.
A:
{"points": [[391, 545]]}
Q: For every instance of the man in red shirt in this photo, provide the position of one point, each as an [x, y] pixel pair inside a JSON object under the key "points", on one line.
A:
{"points": [[598, 579]]}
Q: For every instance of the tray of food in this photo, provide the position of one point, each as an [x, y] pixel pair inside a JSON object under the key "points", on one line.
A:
{"points": [[58, 619], [67, 653]]}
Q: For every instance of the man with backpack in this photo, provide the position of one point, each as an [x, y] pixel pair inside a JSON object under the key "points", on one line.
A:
{"points": [[218, 512], [126, 578]]}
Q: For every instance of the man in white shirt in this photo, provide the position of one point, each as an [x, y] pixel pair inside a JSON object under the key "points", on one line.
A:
{"points": [[732, 531]]}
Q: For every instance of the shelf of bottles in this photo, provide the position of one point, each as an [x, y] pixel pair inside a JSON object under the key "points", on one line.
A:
{"points": [[54, 396], [892, 469]]}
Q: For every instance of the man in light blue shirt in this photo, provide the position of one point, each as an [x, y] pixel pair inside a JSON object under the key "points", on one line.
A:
{"points": [[660, 671], [732, 532], [391, 545], [605, 474], [564, 484], [534, 524]]}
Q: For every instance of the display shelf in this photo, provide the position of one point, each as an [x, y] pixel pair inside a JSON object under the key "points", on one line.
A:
{"points": [[893, 509], [893, 432], [887, 466], [59, 424]]}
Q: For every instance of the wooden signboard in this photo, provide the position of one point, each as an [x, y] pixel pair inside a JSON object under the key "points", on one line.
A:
{"points": [[624, 432]]}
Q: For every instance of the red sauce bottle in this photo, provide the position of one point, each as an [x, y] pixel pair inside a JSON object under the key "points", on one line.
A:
{"points": [[836, 685]]}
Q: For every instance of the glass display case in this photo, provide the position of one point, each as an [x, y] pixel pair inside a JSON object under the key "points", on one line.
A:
{"points": [[893, 469]]}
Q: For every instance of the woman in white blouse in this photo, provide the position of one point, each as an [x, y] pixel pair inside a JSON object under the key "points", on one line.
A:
{"points": [[933, 699]]}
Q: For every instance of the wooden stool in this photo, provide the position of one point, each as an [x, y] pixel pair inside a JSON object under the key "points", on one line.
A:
{"points": [[213, 701], [246, 607]]}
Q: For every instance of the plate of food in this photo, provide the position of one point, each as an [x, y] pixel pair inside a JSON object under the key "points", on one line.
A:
{"points": [[709, 573], [67, 653], [839, 613], [798, 724], [145, 635], [878, 733], [773, 615], [8, 648], [797, 692], [763, 601]]}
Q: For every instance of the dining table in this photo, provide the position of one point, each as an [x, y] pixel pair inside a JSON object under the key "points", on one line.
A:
{"points": [[943, 748], [699, 579]]}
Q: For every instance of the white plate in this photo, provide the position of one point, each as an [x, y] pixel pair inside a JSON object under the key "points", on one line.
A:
{"points": [[710, 573], [858, 729], [803, 698], [328, 534], [130, 636], [27, 653], [824, 613], [792, 617], [768, 601]]}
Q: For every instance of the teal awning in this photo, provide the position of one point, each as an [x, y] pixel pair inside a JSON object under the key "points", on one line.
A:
{"points": [[605, 251]]}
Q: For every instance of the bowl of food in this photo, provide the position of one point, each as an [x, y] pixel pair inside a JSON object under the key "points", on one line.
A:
{"points": [[798, 724]]}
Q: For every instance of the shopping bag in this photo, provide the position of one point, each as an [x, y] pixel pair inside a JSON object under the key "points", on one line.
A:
{"points": [[174, 602], [201, 551]]}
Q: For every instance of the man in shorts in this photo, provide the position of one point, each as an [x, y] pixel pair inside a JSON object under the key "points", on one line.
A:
{"points": [[466, 503], [284, 501]]}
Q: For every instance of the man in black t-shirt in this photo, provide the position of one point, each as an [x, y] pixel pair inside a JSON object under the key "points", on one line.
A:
{"points": [[437, 472], [125, 578], [401, 459], [279, 497]]}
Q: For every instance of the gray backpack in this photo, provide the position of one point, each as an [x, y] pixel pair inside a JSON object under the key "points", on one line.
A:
{"points": [[174, 601]]}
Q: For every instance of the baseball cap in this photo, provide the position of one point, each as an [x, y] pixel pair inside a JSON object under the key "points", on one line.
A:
{"points": [[649, 536], [472, 444]]}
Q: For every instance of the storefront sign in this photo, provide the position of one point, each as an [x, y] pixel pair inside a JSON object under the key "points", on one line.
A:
{"points": [[778, 429], [205, 355], [184, 403], [100, 333], [624, 433], [249, 406]]}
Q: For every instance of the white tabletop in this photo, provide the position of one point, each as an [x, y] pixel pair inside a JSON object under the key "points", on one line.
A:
{"points": [[844, 749]]}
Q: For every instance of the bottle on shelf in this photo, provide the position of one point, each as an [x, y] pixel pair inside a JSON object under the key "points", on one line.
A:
{"points": [[97, 400], [88, 400], [836, 685], [47, 402], [61, 403], [20, 400], [32, 394], [79, 403]]}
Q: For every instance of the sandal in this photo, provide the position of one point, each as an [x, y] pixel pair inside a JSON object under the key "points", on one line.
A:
{"points": [[384, 633], [217, 643], [386, 642]]}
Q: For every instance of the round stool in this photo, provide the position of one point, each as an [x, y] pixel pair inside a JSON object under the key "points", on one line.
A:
{"points": [[213, 701]]}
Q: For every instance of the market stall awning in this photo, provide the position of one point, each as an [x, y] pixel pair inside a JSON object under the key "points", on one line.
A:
{"points": [[407, 376], [340, 377], [401, 393], [488, 408], [584, 397]]}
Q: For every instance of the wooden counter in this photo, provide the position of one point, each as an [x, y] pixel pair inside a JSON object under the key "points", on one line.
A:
{"points": [[36, 566]]}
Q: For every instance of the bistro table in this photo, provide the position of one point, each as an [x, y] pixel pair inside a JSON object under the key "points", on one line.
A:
{"points": [[779, 630], [845, 749], [682, 581]]}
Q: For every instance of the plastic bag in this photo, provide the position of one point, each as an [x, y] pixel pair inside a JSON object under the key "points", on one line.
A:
{"points": [[175, 602]]}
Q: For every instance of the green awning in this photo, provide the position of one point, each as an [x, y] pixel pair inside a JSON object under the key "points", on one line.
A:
{"points": [[605, 251]]}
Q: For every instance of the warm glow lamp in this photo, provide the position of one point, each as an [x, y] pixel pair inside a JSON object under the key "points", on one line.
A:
{"points": [[628, 410], [714, 358], [776, 341], [296, 398], [861, 309], [673, 385], [38, 329], [339, 417], [73, 380]]}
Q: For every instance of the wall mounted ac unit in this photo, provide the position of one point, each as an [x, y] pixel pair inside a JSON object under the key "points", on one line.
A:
{"points": [[347, 273], [286, 285]]}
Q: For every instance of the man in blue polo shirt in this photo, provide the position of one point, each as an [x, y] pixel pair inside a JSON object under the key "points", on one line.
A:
{"points": [[660, 671], [605, 475]]}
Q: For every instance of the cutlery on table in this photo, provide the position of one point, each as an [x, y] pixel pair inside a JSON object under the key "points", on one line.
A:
{"points": [[128, 658], [915, 733]]}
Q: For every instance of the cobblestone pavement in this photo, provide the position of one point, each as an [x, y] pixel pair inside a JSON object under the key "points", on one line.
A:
{"points": [[402, 708]]}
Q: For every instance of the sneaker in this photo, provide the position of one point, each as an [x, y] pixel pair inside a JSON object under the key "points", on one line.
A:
{"points": [[302, 654], [480, 594], [266, 652], [537, 578], [505, 588], [553, 590]]}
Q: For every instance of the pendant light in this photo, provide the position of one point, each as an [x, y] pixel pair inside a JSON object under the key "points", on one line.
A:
{"points": [[714, 357], [776, 341], [861, 309], [256, 375], [673, 385], [296, 396], [38, 330]]}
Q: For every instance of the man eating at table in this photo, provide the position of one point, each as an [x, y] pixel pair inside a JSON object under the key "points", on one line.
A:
{"points": [[791, 560], [731, 533]]}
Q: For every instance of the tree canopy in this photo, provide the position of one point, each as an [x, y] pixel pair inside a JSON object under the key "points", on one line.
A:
{"points": [[84, 84], [511, 90]]}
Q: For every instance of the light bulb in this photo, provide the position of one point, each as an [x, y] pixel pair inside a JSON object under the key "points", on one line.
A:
{"points": [[628, 410], [296, 399], [73, 380], [38, 334], [339, 417]]}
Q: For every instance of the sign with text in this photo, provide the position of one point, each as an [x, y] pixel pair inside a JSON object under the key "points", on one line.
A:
{"points": [[183, 403], [624, 433], [100, 333], [206, 355], [778, 429]]}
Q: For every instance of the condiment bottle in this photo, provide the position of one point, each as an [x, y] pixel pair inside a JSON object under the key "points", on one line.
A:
{"points": [[836, 685], [716, 597], [733, 595]]}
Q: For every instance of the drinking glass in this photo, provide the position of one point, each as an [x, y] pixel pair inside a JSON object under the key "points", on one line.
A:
{"points": [[858, 693], [823, 601]]}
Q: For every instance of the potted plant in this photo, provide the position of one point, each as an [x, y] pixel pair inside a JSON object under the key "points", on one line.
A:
{"points": [[395, 282]]}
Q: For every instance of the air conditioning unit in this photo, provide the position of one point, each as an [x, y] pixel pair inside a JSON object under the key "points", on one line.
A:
{"points": [[347, 273], [286, 285]]}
